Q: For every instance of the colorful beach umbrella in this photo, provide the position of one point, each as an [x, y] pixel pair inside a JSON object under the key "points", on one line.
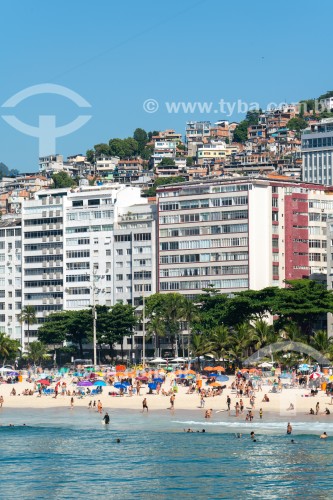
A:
{"points": [[100, 383], [44, 381], [84, 383]]}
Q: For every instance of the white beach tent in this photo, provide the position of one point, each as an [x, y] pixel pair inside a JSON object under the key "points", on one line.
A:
{"points": [[158, 361]]}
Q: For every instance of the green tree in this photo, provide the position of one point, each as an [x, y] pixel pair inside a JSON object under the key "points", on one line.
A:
{"points": [[73, 326], [297, 124], [155, 329], [189, 161], [240, 132], [141, 137], [263, 334], [28, 316], [118, 324], [9, 348], [123, 148], [220, 339], [240, 340], [62, 180], [303, 302], [200, 345], [167, 162], [36, 352], [101, 149], [322, 342]]}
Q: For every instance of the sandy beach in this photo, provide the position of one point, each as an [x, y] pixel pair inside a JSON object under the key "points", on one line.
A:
{"points": [[278, 403]]}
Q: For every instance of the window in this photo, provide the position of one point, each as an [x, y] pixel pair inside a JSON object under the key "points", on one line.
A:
{"points": [[108, 252], [142, 237], [119, 289], [129, 251], [119, 264], [77, 203], [71, 254], [77, 265], [94, 202], [122, 237], [119, 251], [119, 277], [142, 275]]}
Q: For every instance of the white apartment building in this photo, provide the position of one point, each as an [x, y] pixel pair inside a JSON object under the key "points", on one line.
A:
{"points": [[317, 153], [239, 234], [10, 278], [163, 149], [84, 245]]}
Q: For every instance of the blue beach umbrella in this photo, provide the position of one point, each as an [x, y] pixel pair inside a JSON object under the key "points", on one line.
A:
{"points": [[158, 380], [222, 378], [152, 386], [100, 383]]}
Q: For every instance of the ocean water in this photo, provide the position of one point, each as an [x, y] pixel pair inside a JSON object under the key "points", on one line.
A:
{"points": [[69, 454]]}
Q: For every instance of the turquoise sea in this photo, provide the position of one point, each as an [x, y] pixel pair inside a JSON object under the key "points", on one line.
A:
{"points": [[69, 454]]}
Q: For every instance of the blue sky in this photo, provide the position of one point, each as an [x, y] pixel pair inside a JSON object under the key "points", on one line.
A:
{"points": [[119, 54]]}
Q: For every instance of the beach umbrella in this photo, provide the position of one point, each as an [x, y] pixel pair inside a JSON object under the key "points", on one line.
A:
{"points": [[119, 385], [285, 375], [208, 369], [315, 375], [190, 372], [158, 360], [100, 383], [159, 380], [120, 368], [222, 378], [12, 374], [219, 368], [181, 375], [142, 378], [84, 383], [44, 381], [152, 386], [215, 384], [265, 364]]}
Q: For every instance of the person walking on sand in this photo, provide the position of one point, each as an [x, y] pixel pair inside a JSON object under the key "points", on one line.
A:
{"points": [[228, 402], [72, 402], [317, 408], [144, 405], [1, 401]]}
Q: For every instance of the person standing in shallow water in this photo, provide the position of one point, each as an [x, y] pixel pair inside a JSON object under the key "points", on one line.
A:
{"points": [[289, 428], [144, 405]]}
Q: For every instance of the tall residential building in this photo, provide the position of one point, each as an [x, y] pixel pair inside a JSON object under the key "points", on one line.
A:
{"points": [[84, 245], [239, 234], [317, 153], [10, 278]]}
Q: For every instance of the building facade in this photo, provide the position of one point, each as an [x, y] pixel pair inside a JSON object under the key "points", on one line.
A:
{"points": [[317, 153], [239, 234]]}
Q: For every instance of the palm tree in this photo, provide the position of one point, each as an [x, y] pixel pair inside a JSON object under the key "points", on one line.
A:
{"points": [[220, 339], [28, 316], [8, 347], [36, 351], [293, 333], [200, 345], [263, 333], [156, 329], [322, 342], [241, 338]]}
